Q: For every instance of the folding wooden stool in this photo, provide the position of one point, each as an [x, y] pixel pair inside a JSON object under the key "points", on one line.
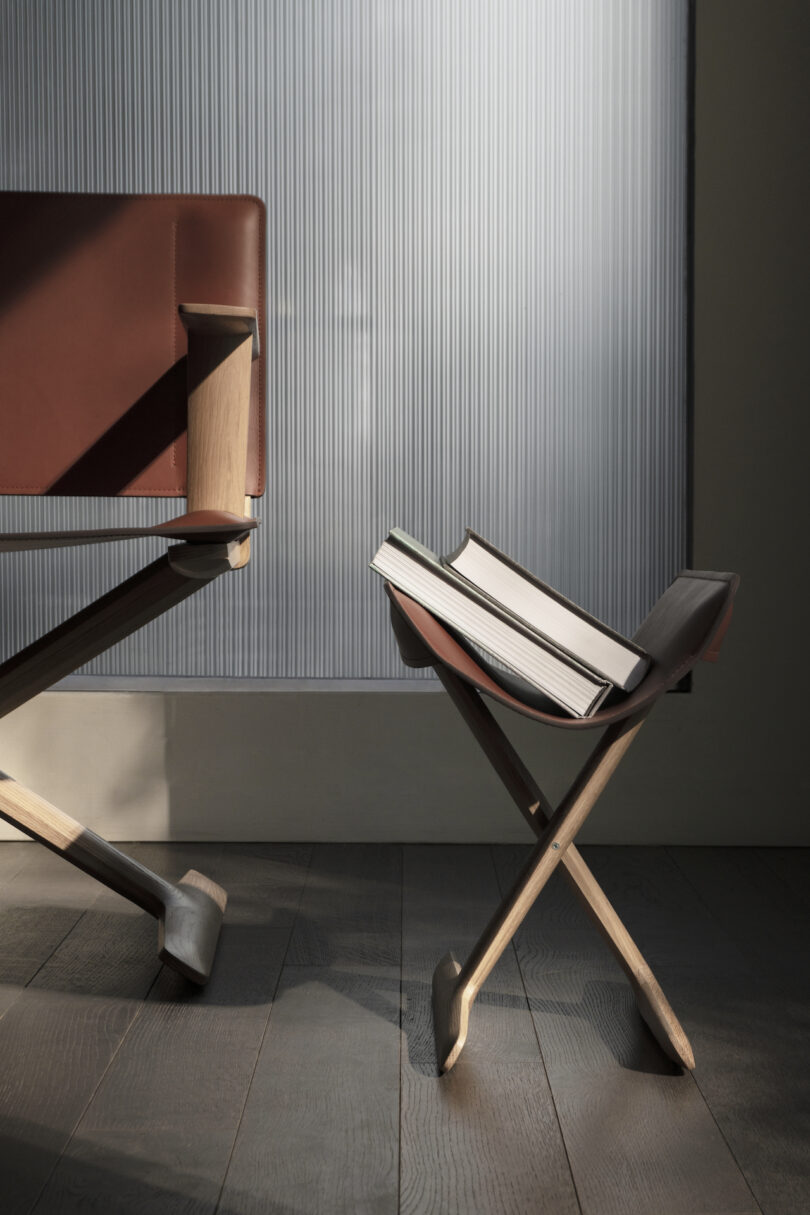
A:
{"points": [[687, 623], [130, 357]]}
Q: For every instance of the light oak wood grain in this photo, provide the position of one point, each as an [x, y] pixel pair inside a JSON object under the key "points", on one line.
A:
{"points": [[454, 993], [221, 346], [536, 809], [189, 913]]}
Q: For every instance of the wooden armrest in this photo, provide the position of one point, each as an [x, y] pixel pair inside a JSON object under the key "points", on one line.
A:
{"points": [[206, 525], [222, 341], [198, 527], [221, 319]]}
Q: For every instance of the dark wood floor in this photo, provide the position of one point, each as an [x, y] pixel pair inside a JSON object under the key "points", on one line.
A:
{"points": [[302, 1079]]}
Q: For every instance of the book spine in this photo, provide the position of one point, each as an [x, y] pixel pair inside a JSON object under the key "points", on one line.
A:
{"points": [[545, 589], [625, 663]]}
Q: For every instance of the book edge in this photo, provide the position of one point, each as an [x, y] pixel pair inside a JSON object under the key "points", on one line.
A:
{"points": [[575, 608], [600, 684]]}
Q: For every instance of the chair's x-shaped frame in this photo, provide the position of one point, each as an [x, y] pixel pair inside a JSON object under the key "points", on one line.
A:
{"points": [[688, 623], [214, 539]]}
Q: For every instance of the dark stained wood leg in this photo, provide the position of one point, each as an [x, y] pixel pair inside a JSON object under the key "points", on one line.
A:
{"points": [[455, 987], [189, 912], [123, 610], [532, 803]]}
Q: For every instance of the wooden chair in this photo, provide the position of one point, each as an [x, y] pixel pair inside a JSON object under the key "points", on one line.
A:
{"points": [[130, 357], [687, 624]]}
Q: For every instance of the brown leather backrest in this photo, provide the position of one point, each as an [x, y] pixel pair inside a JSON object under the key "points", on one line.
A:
{"points": [[92, 351]]}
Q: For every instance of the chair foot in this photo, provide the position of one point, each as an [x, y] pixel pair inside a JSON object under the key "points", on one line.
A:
{"points": [[189, 926], [451, 1012], [189, 912]]}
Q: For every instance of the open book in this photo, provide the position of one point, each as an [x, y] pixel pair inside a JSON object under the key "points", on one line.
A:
{"points": [[548, 641]]}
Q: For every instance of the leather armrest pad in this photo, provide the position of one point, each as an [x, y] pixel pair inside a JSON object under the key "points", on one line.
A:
{"points": [[201, 526]]}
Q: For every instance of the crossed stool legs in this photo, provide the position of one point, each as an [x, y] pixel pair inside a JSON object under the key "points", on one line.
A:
{"points": [[456, 986]]}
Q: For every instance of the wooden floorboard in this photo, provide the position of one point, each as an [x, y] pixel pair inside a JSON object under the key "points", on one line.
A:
{"points": [[13, 856], [793, 866], [483, 1139], [59, 1036], [449, 894], [164, 1132], [47, 878], [320, 1129], [41, 901], [158, 1136], [270, 877], [753, 1032], [158, 1133], [350, 913], [303, 1078], [766, 917], [640, 1137]]}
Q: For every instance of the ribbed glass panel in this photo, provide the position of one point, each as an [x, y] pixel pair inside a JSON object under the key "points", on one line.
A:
{"points": [[476, 292]]}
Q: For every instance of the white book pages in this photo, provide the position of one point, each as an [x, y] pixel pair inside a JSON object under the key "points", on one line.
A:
{"points": [[550, 617], [571, 686]]}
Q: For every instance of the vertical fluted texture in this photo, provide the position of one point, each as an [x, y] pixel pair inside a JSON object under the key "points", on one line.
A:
{"points": [[476, 291]]}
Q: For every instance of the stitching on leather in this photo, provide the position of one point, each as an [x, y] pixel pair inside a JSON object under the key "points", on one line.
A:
{"points": [[261, 444], [224, 198], [175, 227]]}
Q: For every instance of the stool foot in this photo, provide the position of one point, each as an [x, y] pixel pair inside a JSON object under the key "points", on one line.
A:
{"points": [[451, 1012], [661, 1021]]}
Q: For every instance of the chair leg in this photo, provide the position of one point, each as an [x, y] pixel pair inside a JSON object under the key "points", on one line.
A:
{"points": [[189, 912], [530, 800], [123, 610]]}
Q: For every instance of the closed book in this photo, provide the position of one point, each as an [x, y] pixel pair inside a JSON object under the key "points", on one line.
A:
{"points": [[544, 609], [420, 573]]}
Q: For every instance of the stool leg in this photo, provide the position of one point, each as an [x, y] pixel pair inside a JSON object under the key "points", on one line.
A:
{"points": [[453, 995], [533, 805]]}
